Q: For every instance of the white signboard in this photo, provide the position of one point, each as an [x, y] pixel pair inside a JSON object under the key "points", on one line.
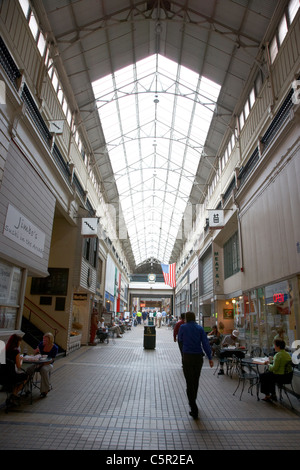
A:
{"points": [[89, 227], [56, 127], [216, 218], [19, 229]]}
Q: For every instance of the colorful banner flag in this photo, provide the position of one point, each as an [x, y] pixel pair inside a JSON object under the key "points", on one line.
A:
{"points": [[169, 272]]}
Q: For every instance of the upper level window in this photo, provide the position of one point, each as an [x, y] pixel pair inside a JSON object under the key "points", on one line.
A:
{"points": [[41, 44], [252, 97], [246, 109], [282, 30], [25, 7], [292, 9], [54, 81], [33, 25], [231, 256], [273, 49], [241, 120]]}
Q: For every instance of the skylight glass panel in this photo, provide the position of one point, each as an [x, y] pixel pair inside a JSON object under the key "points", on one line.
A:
{"points": [[155, 117]]}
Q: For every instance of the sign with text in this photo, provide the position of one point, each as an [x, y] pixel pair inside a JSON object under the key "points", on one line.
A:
{"points": [[22, 231], [216, 218], [217, 268], [89, 227]]}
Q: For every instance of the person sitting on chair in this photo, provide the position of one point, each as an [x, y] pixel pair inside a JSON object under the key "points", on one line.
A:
{"points": [[275, 371], [48, 347], [229, 340], [214, 338], [102, 331], [115, 329], [15, 376]]}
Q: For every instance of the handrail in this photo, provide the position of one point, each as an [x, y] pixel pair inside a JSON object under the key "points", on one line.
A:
{"points": [[42, 319]]}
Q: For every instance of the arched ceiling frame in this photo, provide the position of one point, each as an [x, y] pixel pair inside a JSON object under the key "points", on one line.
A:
{"points": [[216, 39]]}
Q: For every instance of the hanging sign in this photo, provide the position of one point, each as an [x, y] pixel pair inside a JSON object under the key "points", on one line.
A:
{"points": [[89, 227], [216, 219]]}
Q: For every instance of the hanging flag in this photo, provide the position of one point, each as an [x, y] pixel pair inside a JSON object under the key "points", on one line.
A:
{"points": [[169, 274]]}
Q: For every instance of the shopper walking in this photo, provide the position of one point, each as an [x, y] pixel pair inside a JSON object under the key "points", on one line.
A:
{"points": [[194, 345]]}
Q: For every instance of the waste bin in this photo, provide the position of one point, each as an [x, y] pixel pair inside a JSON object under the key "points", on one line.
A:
{"points": [[149, 337]]}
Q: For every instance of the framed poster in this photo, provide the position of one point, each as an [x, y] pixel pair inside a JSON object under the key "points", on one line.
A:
{"points": [[228, 313]]}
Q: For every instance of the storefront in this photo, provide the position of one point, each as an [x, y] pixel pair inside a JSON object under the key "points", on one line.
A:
{"points": [[109, 302], [264, 313], [25, 238]]}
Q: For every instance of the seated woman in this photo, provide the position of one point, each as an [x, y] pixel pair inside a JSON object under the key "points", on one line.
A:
{"points": [[102, 331], [215, 338], [276, 370], [12, 371], [48, 347]]}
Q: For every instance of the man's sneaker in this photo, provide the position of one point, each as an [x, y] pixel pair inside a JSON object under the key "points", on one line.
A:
{"points": [[221, 372]]}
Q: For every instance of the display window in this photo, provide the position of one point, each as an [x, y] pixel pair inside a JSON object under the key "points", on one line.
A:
{"points": [[10, 286], [270, 313]]}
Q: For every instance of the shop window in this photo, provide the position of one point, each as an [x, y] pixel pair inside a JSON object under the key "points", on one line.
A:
{"points": [[269, 313], [280, 314], [231, 256], [10, 281]]}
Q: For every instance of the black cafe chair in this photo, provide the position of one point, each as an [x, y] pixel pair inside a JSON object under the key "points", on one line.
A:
{"points": [[285, 379], [247, 372], [8, 381]]}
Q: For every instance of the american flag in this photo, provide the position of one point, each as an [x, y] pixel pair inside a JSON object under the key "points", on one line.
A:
{"points": [[169, 274]]}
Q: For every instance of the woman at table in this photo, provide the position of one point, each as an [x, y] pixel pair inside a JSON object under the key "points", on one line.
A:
{"points": [[48, 347], [214, 337], [12, 369], [269, 378]]}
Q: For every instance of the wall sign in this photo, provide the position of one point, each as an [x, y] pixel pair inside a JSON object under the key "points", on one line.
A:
{"points": [[217, 269], [22, 231]]}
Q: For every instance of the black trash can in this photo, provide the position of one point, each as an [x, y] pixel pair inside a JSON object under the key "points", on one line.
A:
{"points": [[149, 337]]}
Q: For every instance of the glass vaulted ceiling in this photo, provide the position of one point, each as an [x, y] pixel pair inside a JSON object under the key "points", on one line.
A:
{"points": [[155, 116]]}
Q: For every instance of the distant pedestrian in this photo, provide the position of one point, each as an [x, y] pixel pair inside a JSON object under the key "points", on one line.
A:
{"points": [[195, 344], [176, 331], [144, 315]]}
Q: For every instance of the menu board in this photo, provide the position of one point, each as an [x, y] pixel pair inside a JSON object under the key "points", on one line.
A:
{"points": [[54, 284]]}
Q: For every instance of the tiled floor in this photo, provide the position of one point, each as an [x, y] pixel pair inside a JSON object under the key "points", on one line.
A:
{"points": [[123, 397]]}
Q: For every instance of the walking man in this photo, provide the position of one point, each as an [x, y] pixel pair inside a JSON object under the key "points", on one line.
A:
{"points": [[195, 344]]}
